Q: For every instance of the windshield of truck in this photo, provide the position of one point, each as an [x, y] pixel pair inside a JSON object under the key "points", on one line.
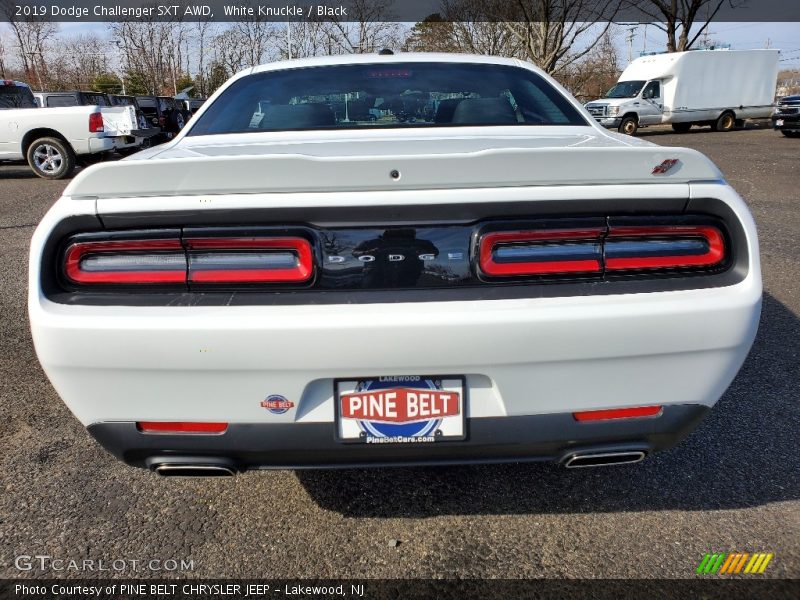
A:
{"points": [[625, 89], [386, 96], [16, 96]]}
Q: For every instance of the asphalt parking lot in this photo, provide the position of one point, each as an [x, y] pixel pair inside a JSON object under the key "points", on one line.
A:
{"points": [[732, 486]]}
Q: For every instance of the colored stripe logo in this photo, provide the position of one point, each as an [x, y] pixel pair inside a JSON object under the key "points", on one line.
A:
{"points": [[722, 563]]}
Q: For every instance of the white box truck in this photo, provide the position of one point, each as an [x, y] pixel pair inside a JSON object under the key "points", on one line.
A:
{"points": [[720, 88]]}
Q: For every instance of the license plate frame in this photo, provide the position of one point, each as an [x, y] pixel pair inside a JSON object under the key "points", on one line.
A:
{"points": [[450, 427]]}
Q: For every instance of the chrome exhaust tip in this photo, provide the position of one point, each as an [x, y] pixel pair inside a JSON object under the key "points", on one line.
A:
{"points": [[178, 470], [604, 459], [192, 466]]}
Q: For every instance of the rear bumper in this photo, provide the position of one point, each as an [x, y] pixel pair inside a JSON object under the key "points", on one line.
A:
{"points": [[554, 437]]}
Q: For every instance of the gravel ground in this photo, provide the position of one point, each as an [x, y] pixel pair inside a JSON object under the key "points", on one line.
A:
{"points": [[732, 486]]}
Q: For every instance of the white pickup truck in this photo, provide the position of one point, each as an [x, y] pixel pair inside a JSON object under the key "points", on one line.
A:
{"points": [[51, 139]]}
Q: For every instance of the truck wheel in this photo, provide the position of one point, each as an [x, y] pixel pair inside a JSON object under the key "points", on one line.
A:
{"points": [[790, 134], [51, 158], [681, 127], [629, 126], [725, 122]]}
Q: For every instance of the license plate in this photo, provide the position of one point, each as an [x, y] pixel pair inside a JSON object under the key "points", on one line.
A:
{"points": [[779, 123], [400, 410]]}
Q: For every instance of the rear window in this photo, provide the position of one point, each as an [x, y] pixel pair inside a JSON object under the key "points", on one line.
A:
{"points": [[387, 96], [55, 101], [16, 96]]}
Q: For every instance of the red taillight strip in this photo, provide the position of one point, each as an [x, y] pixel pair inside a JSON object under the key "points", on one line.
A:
{"points": [[712, 236], [489, 242], [618, 413], [181, 427], [77, 251], [300, 273]]}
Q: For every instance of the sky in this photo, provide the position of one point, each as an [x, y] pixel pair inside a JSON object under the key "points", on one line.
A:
{"points": [[741, 36]]}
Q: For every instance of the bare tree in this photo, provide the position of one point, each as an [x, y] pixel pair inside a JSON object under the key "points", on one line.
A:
{"points": [[475, 30], [32, 40], [367, 29], [555, 34], [677, 17], [80, 60], [590, 77], [151, 51], [256, 39], [2, 56], [203, 31]]}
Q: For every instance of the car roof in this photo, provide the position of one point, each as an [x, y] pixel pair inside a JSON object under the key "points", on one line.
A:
{"points": [[400, 57]]}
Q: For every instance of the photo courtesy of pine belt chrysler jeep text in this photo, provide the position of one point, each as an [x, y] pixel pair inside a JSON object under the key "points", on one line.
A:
{"points": [[393, 259]]}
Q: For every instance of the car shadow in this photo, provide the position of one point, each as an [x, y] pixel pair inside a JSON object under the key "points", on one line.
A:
{"points": [[743, 454], [16, 171]]}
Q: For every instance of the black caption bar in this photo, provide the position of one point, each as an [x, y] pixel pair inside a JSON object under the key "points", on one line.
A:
{"points": [[376, 589], [627, 11]]}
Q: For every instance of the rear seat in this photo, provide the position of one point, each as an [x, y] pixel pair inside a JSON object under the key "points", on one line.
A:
{"points": [[297, 116]]}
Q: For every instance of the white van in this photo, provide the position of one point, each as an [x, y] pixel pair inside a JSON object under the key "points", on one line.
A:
{"points": [[720, 88]]}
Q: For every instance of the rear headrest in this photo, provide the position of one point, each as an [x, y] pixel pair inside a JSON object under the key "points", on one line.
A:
{"points": [[445, 110], [484, 111], [297, 116]]}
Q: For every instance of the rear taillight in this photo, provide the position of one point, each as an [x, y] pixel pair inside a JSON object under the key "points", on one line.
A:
{"points": [[595, 251], [213, 260], [637, 412], [126, 262], [545, 252], [250, 260], [96, 123], [181, 427], [663, 247]]}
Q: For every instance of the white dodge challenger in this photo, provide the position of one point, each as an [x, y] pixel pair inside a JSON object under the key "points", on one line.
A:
{"points": [[393, 259]]}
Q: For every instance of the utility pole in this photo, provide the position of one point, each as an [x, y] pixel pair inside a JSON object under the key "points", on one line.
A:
{"points": [[631, 35], [289, 40]]}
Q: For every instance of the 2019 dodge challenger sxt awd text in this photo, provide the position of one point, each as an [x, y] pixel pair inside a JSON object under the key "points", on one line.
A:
{"points": [[379, 260]]}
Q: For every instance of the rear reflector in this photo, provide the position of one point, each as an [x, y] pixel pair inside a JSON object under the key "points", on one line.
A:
{"points": [[545, 252], [618, 413], [663, 247], [250, 260], [180, 427], [126, 262]]}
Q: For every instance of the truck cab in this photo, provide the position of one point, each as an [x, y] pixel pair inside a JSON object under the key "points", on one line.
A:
{"points": [[629, 105]]}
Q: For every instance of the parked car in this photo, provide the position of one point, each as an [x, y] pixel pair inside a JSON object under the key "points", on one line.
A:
{"points": [[52, 140], [147, 131], [164, 112], [701, 87], [280, 287], [786, 118]]}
